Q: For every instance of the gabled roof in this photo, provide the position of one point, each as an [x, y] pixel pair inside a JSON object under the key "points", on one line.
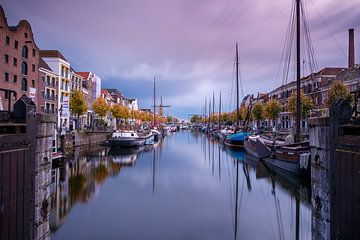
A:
{"points": [[52, 54], [85, 75], [44, 65]]}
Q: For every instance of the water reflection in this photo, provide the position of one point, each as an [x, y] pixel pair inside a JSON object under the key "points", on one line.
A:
{"points": [[186, 187]]}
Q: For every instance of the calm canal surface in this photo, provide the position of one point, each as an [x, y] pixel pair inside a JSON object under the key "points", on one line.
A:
{"points": [[186, 187]]}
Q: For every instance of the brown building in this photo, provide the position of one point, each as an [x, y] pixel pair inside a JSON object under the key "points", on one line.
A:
{"points": [[19, 63]]}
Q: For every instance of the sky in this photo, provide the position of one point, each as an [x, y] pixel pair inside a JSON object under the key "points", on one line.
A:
{"points": [[187, 45]]}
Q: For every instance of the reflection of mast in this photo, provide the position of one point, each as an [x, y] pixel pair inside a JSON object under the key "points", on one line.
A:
{"points": [[247, 176], [219, 165], [213, 158], [278, 212], [297, 217], [236, 197], [153, 172]]}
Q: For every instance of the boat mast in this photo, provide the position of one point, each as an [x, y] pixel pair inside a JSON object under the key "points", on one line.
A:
{"points": [[154, 104], [205, 111], [298, 65], [219, 110], [237, 86], [213, 108]]}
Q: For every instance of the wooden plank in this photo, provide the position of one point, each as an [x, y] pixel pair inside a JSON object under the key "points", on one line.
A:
{"points": [[356, 196], [348, 196], [13, 195], [341, 202], [20, 201], [6, 197], [1, 189], [28, 157]]}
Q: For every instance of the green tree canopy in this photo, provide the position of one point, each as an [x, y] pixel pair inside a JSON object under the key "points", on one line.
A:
{"points": [[306, 104], [100, 107], [338, 90]]}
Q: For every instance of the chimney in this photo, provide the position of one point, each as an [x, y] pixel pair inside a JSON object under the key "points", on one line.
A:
{"points": [[351, 48]]}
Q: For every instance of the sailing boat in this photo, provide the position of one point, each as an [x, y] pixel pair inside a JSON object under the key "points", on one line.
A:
{"points": [[293, 158], [237, 139]]}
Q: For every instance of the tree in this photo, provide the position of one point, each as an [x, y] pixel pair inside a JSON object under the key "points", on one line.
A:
{"points": [[120, 112], [258, 113], [195, 119], [306, 104], [272, 109], [169, 119], [77, 105], [100, 107], [338, 90]]}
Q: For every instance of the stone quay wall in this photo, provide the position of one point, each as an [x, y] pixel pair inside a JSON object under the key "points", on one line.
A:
{"points": [[43, 155]]}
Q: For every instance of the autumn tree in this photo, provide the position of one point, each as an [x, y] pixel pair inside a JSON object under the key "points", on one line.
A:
{"points": [[120, 112], [306, 104], [272, 109], [100, 107], [258, 113], [77, 105], [338, 90]]}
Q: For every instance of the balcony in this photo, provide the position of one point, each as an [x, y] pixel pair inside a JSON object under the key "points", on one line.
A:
{"points": [[49, 97]]}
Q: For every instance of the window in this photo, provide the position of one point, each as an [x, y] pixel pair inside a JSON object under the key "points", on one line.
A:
{"points": [[25, 35], [24, 84], [15, 78], [33, 52], [7, 93], [33, 67], [15, 61], [6, 58], [24, 52], [6, 76], [24, 68], [7, 40], [16, 44], [33, 83]]}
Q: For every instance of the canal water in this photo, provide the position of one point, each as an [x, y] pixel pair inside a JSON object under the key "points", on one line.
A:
{"points": [[186, 187]]}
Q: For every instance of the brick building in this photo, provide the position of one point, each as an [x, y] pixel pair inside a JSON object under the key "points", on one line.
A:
{"points": [[19, 64]]}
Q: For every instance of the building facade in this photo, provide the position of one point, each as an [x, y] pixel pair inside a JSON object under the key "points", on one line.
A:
{"points": [[19, 64], [61, 67]]}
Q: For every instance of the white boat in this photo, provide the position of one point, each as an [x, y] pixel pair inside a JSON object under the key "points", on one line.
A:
{"points": [[128, 138]]}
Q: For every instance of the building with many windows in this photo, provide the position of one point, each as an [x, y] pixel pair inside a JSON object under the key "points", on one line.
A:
{"points": [[61, 67], [49, 93], [19, 62]]}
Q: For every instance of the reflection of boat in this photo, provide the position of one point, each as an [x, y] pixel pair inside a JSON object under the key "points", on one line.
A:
{"points": [[295, 185], [125, 156], [239, 155], [128, 138]]}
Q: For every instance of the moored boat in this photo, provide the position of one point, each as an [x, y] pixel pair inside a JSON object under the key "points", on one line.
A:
{"points": [[128, 138], [236, 140]]}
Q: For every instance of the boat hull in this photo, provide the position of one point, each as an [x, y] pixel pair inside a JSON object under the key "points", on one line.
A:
{"points": [[127, 142], [288, 166]]}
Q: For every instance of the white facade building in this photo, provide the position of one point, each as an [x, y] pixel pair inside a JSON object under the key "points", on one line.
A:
{"points": [[61, 67]]}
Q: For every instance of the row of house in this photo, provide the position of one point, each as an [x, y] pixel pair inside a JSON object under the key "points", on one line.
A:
{"points": [[316, 85], [46, 76]]}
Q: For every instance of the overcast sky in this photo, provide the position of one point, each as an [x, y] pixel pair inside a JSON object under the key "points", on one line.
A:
{"points": [[188, 45]]}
